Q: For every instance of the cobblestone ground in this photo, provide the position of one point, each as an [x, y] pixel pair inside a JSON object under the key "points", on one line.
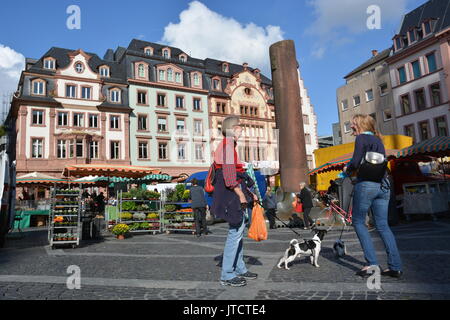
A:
{"points": [[183, 267]]}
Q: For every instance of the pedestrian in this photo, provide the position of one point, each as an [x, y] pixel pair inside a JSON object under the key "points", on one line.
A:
{"points": [[371, 191], [270, 207], [198, 204], [305, 198], [229, 203], [333, 189]]}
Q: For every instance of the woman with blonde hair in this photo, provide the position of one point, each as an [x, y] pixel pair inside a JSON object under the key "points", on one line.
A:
{"points": [[372, 190]]}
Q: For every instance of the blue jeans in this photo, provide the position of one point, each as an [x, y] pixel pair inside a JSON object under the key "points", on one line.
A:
{"points": [[374, 195], [233, 255]]}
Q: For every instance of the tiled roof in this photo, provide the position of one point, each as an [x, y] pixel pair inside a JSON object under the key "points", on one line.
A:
{"points": [[372, 61]]}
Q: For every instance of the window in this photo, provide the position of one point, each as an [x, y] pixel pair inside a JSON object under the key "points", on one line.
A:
{"points": [[435, 91], [161, 99], [148, 52], [115, 149], [71, 91], [180, 125], [216, 84], [143, 150], [142, 122], [383, 89], [79, 67], [398, 43], [104, 71], [182, 58], [63, 118], [162, 75], [142, 97], [114, 122], [344, 104], [93, 150], [177, 77], [37, 117], [412, 36], [401, 74], [37, 148], [420, 99], [405, 104], [61, 151], [369, 95], [166, 54], [356, 101], [198, 152], [86, 93], [409, 131], [416, 69], [162, 151], [179, 102], [424, 129], [441, 126], [78, 120], [79, 148], [141, 70], [347, 127], [431, 60], [225, 67], [71, 149], [427, 27], [305, 119], [196, 79], [115, 96], [198, 126], [181, 151], [93, 120], [169, 75], [38, 87], [197, 104], [162, 124], [307, 138], [387, 114], [49, 64]]}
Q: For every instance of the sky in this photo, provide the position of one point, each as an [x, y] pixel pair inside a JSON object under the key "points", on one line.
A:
{"points": [[331, 37]]}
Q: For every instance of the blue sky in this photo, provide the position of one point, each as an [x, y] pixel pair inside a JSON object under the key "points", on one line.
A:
{"points": [[331, 36]]}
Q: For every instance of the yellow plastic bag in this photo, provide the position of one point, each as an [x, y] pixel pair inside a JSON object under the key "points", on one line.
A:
{"points": [[258, 229]]}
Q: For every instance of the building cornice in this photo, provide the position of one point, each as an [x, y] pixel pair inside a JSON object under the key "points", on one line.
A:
{"points": [[404, 53], [166, 86]]}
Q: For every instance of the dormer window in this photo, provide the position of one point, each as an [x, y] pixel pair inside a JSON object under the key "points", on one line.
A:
{"points": [[225, 67], [196, 79], [412, 36], [162, 75], [398, 43], [141, 70], [169, 75], [104, 71], [166, 53], [49, 63], [183, 58], [148, 51], [38, 87], [216, 84], [115, 96], [79, 67], [427, 27]]}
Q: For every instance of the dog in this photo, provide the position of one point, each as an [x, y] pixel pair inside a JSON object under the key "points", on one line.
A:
{"points": [[308, 248], [339, 248]]}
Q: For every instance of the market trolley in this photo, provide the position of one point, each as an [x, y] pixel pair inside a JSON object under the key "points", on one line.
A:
{"points": [[178, 217], [64, 225]]}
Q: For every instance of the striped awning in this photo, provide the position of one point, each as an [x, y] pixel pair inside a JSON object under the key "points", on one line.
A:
{"points": [[109, 170], [435, 147], [338, 163], [39, 178]]}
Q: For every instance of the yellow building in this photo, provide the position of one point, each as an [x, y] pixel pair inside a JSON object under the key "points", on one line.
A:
{"points": [[324, 155]]}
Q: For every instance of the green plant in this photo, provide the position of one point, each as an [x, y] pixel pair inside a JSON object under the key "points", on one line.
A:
{"points": [[170, 207], [139, 216], [126, 195], [134, 226], [186, 194], [145, 225], [179, 189], [129, 206], [126, 216], [120, 229]]}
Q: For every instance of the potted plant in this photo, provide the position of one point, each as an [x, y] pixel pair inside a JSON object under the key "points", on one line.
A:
{"points": [[120, 230]]}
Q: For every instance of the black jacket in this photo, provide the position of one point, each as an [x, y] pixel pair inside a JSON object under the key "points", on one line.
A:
{"points": [[305, 198]]}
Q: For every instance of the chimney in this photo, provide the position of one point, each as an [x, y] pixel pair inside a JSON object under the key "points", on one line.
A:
{"points": [[374, 53]]}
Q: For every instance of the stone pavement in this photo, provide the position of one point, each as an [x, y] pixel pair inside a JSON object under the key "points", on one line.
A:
{"points": [[182, 267]]}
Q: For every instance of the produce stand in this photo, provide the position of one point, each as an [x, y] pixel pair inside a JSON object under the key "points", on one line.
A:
{"points": [[141, 215], [64, 226], [429, 197], [178, 217]]}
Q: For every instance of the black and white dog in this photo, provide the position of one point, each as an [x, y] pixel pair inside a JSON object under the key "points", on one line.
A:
{"points": [[308, 248]]}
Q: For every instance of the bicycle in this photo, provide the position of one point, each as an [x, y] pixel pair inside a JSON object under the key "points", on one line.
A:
{"points": [[333, 213]]}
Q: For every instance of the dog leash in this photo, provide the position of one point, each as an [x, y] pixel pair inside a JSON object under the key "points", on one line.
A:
{"points": [[280, 220], [348, 208]]}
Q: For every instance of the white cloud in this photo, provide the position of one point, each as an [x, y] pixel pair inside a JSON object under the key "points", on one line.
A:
{"points": [[336, 20], [203, 33], [11, 65]]}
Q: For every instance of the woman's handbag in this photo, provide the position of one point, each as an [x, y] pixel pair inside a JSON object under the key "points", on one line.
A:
{"points": [[373, 167], [209, 182], [258, 228]]}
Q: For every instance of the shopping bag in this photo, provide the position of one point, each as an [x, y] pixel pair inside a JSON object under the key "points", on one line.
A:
{"points": [[297, 206], [209, 182], [258, 229]]}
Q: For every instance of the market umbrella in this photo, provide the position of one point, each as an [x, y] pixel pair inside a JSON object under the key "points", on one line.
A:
{"points": [[436, 147], [35, 178], [338, 163], [109, 170]]}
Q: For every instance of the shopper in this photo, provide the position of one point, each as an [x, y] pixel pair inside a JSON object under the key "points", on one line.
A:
{"points": [[229, 203], [305, 198], [270, 207], [370, 193], [198, 204]]}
